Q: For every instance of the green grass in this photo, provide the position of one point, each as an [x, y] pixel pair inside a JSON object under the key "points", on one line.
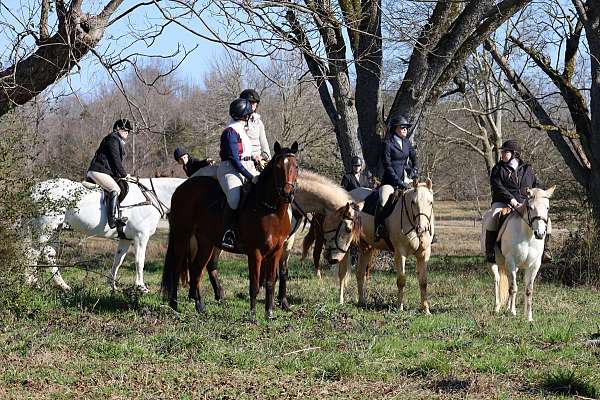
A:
{"points": [[94, 344]]}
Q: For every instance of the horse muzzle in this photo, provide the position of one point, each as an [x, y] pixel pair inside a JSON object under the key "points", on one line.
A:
{"points": [[539, 235]]}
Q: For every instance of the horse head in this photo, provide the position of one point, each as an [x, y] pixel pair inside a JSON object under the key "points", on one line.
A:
{"points": [[284, 170], [419, 204], [537, 207], [340, 229]]}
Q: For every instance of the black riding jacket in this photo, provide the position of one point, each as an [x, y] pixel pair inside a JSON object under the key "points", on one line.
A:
{"points": [[194, 165], [109, 157], [508, 183]]}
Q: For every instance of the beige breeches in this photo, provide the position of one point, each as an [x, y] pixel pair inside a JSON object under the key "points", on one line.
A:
{"points": [[105, 181], [231, 182]]}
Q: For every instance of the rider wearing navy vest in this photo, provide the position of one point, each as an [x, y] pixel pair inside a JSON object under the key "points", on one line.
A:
{"points": [[399, 160], [237, 165], [510, 178], [107, 167], [189, 163]]}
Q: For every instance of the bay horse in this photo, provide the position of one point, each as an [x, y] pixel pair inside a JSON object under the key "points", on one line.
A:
{"points": [[409, 228], [521, 246], [65, 204], [196, 229]]}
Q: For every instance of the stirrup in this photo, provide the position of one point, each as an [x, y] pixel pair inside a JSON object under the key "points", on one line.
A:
{"points": [[228, 239]]}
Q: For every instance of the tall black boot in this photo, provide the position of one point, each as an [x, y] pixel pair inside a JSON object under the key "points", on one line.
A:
{"points": [[379, 222], [229, 217], [113, 211], [490, 245], [547, 254]]}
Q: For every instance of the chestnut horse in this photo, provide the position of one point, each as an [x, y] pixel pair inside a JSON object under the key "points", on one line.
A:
{"points": [[196, 227]]}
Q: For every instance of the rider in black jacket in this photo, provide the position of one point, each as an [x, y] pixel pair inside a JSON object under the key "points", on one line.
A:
{"points": [[357, 178], [510, 178], [189, 163], [107, 167]]}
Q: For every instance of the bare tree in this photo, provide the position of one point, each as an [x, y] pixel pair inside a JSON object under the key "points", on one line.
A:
{"points": [[579, 146]]}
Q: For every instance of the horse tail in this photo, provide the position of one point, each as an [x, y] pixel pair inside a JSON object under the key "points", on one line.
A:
{"points": [[503, 284], [175, 267]]}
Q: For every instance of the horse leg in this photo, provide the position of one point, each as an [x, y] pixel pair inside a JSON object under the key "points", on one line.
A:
{"points": [[140, 245], [283, 272], [122, 248], [196, 271], [400, 263], [497, 304], [530, 274], [254, 265], [422, 277], [271, 268], [283, 277], [512, 290], [213, 275], [49, 257], [317, 250], [343, 276], [361, 274]]}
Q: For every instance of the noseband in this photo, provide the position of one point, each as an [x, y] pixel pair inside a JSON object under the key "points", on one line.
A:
{"points": [[337, 235], [529, 221]]}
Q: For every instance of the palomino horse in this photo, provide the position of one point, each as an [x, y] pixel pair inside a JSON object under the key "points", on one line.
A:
{"points": [[196, 229], [409, 228], [521, 246], [321, 196], [67, 204], [314, 236]]}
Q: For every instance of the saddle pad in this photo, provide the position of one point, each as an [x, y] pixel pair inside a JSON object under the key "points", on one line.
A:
{"points": [[371, 203]]}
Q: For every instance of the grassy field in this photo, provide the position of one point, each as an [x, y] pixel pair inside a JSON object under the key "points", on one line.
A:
{"points": [[91, 343]]}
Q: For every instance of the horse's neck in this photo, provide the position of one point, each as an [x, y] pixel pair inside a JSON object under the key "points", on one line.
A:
{"points": [[517, 227], [314, 197], [164, 188]]}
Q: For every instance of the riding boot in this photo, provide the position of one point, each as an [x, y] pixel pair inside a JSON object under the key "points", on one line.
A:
{"points": [[229, 217], [379, 222], [113, 211], [547, 254], [490, 245]]}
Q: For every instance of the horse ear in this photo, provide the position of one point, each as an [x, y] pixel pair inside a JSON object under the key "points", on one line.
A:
{"points": [[529, 192], [415, 183], [294, 147], [277, 147], [429, 183], [359, 206], [550, 191]]}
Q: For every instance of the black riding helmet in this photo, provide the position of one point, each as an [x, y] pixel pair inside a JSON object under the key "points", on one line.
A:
{"points": [[179, 152], [512, 146], [240, 109], [250, 95], [123, 124], [356, 160], [398, 120]]}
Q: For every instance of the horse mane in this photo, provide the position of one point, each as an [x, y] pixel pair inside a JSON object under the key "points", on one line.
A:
{"points": [[323, 188]]}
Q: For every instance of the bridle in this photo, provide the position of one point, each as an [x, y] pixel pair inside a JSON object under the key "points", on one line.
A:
{"points": [[412, 221], [337, 231], [287, 197], [529, 221]]}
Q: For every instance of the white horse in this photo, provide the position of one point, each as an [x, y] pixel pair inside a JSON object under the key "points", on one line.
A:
{"points": [[67, 204], [410, 230], [521, 246]]}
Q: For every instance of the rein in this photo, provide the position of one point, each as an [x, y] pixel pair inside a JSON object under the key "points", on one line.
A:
{"points": [[337, 233], [149, 194]]}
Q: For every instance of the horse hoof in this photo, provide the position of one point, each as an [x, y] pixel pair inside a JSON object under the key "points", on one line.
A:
{"points": [[284, 305], [426, 312], [362, 304], [173, 305], [199, 306], [143, 289], [270, 316]]}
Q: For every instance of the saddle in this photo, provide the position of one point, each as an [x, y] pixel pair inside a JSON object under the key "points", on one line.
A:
{"points": [[91, 185], [373, 199]]}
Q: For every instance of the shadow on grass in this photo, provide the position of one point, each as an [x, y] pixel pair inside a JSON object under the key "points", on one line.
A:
{"points": [[569, 383], [89, 300]]}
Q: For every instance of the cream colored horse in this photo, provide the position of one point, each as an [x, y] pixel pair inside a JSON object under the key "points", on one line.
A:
{"points": [[409, 229], [521, 244]]}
